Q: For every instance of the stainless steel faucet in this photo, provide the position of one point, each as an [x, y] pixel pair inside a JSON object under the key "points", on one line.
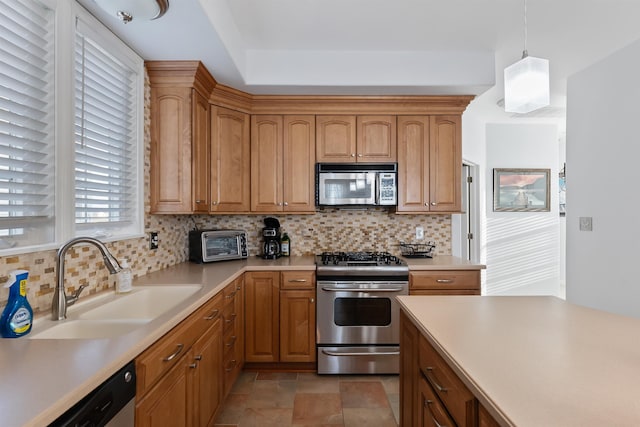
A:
{"points": [[60, 300]]}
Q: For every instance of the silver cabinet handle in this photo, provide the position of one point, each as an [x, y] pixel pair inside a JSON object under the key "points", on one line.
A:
{"points": [[427, 404], [193, 365], [232, 294], [426, 203], [213, 315], [297, 280], [198, 357], [231, 318], [433, 203], [214, 203], [433, 381], [173, 355], [233, 365], [311, 300], [359, 155], [286, 204], [232, 341], [369, 290], [198, 201], [444, 281]]}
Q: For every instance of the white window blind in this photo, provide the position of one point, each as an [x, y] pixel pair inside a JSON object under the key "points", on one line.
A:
{"points": [[106, 143], [26, 123]]}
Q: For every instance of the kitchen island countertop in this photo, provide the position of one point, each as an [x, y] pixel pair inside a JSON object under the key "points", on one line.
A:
{"points": [[537, 361]]}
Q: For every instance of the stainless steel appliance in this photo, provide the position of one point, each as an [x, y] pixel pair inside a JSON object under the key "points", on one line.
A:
{"points": [[358, 323], [366, 184], [217, 245], [111, 404]]}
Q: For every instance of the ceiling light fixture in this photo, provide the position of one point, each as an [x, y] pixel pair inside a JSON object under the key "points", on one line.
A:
{"points": [[526, 83], [127, 10]]}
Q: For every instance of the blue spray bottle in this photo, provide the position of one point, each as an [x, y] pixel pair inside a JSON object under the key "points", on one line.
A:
{"points": [[17, 317]]}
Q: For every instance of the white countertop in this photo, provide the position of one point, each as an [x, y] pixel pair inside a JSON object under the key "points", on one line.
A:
{"points": [[537, 361]]}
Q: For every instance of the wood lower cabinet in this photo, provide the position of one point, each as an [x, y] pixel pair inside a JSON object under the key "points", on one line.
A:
{"points": [[282, 163], [429, 164], [297, 317], [280, 311], [230, 181], [262, 316], [444, 282], [179, 377], [179, 161], [409, 372]]}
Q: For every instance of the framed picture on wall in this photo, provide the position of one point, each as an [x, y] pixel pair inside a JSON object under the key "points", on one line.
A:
{"points": [[521, 190]]}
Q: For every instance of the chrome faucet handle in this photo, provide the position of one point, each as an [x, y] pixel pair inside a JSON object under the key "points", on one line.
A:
{"points": [[74, 297]]}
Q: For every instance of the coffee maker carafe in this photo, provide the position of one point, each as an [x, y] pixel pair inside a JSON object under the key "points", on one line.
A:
{"points": [[271, 238]]}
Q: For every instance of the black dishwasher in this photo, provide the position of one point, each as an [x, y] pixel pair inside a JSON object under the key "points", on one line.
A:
{"points": [[110, 404]]}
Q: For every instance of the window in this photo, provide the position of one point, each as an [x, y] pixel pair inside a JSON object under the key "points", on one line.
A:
{"points": [[71, 128], [26, 124], [106, 128]]}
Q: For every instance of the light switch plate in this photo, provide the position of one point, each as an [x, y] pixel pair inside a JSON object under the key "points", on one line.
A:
{"points": [[586, 223], [419, 233]]}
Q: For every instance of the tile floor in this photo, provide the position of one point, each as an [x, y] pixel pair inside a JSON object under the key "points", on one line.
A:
{"points": [[306, 399]]}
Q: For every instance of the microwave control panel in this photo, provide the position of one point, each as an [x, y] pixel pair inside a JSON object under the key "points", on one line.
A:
{"points": [[387, 188]]}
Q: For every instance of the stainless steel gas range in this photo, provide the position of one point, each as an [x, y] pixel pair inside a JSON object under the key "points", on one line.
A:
{"points": [[358, 330]]}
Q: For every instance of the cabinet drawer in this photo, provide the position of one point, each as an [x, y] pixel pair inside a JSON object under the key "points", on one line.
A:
{"points": [[431, 411], [230, 341], [298, 280], [457, 398], [442, 279], [229, 318]]}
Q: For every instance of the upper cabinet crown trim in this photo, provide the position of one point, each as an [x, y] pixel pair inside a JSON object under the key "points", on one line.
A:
{"points": [[181, 74]]}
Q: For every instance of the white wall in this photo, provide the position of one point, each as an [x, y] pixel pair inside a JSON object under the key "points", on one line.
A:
{"points": [[522, 249], [603, 147]]}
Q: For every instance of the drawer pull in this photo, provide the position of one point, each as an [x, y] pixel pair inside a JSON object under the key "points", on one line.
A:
{"points": [[444, 281], [198, 357], [231, 319], [297, 280], [173, 355], [433, 380], [232, 294], [213, 315], [233, 365], [427, 404], [232, 341], [193, 365]]}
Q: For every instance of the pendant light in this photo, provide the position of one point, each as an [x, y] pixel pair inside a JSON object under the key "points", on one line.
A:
{"points": [[526, 83], [128, 10]]}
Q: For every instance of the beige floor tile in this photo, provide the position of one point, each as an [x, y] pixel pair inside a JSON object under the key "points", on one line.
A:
{"points": [[369, 417], [363, 394], [394, 401], [232, 409], [272, 394], [317, 408], [323, 385], [244, 383], [266, 417], [391, 384], [277, 376]]}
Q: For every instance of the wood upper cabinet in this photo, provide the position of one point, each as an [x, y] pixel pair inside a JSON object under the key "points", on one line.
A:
{"points": [[376, 139], [179, 158], [230, 161], [282, 163], [262, 316], [347, 139], [429, 164]]}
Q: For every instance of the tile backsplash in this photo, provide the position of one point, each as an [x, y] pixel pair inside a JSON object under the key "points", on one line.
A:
{"points": [[329, 229]]}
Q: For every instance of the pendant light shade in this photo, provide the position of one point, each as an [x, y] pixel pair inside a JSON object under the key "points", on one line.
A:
{"points": [[140, 10], [526, 85]]}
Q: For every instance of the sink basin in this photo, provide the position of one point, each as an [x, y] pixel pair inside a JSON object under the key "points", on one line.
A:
{"points": [[142, 303], [88, 329]]}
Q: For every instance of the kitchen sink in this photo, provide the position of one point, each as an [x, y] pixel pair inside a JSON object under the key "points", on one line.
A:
{"points": [[88, 329], [142, 303]]}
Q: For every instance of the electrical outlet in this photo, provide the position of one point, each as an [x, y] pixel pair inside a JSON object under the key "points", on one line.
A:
{"points": [[586, 223], [153, 240], [419, 233]]}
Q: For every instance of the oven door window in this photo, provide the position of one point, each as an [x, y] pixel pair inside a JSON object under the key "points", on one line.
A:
{"points": [[362, 311], [217, 246]]}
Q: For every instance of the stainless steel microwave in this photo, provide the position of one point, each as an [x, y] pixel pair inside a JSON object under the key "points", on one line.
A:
{"points": [[217, 245], [364, 184]]}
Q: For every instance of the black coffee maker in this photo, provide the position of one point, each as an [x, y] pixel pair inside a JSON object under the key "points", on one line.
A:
{"points": [[271, 238]]}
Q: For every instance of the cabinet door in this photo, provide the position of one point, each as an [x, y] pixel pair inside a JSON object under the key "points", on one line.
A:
{"points": [[445, 167], [206, 369], [167, 404], [376, 139], [171, 150], [230, 161], [336, 139], [299, 159], [262, 314], [413, 163], [409, 372], [297, 326], [266, 163], [200, 155]]}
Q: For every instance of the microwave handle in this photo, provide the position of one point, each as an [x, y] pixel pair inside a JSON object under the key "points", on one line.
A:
{"points": [[377, 188]]}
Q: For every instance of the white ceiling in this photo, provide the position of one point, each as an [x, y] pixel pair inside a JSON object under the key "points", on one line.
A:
{"points": [[381, 46]]}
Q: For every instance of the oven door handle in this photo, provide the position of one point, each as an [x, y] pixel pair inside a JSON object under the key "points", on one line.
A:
{"points": [[370, 290], [364, 353]]}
